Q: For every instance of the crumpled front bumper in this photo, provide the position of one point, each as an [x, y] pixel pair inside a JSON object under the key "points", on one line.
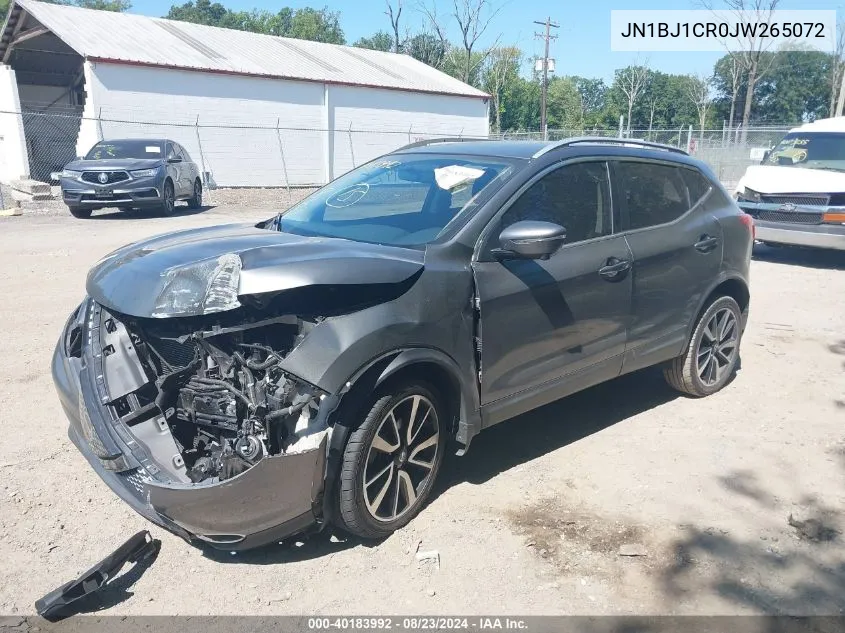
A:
{"points": [[277, 498]]}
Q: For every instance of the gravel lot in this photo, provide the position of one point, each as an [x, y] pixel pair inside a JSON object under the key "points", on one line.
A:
{"points": [[533, 519]]}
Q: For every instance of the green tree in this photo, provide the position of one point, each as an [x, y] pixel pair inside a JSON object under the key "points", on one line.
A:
{"points": [[499, 75], [593, 96], [199, 12], [468, 69], [4, 9], [320, 25], [104, 5], [797, 88], [563, 105], [427, 48], [101, 5], [381, 41]]}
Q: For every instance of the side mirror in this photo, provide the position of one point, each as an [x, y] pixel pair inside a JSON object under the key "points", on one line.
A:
{"points": [[174, 159], [766, 155], [530, 240]]}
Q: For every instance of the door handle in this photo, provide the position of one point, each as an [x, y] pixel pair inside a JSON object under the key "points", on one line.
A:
{"points": [[706, 243], [614, 268]]}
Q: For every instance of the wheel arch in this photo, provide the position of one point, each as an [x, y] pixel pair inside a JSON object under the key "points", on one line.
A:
{"points": [[434, 366], [431, 365], [732, 286]]}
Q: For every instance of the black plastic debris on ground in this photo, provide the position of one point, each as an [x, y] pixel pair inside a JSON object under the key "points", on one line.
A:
{"points": [[66, 600]]}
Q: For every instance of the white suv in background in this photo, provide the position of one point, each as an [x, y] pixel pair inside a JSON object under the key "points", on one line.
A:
{"points": [[797, 193]]}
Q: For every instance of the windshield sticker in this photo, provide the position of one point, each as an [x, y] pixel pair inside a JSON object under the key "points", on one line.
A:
{"points": [[388, 164], [152, 149], [347, 197], [454, 175]]}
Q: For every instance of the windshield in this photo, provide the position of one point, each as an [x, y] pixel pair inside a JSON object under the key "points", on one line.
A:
{"points": [[403, 200], [125, 149], [814, 150]]}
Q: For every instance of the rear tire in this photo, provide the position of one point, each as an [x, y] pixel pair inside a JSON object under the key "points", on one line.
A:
{"points": [[711, 357], [79, 212], [196, 201], [168, 205], [391, 461]]}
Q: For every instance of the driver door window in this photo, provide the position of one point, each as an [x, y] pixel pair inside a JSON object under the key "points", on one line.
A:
{"points": [[576, 197]]}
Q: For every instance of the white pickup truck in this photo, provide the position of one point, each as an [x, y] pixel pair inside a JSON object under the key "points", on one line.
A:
{"points": [[797, 193]]}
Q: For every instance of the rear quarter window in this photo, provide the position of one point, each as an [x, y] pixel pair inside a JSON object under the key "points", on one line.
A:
{"points": [[697, 184], [656, 193]]}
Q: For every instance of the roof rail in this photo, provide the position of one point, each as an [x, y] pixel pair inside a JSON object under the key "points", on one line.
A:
{"points": [[602, 140], [445, 139]]}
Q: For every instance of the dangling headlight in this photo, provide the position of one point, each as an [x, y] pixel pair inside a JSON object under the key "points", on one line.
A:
{"points": [[201, 288]]}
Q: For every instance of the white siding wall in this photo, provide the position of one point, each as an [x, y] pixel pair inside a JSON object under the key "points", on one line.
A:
{"points": [[240, 156], [249, 156], [14, 162], [402, 118]]}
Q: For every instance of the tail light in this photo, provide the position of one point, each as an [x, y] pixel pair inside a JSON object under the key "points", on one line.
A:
{"points": [[748, 221], [833, 218]]}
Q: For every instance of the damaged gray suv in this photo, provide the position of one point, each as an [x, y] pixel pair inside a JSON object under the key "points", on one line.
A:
{"points": [[243, 383]]}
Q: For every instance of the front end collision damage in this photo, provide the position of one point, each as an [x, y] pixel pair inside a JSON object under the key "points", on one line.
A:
{"points": [[231, 460], [227, 428]]}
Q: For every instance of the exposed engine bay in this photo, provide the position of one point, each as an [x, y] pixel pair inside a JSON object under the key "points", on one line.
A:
{"points": [[220, 388]]}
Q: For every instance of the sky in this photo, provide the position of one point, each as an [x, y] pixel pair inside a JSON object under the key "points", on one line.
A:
{"points": [[582, 47]]}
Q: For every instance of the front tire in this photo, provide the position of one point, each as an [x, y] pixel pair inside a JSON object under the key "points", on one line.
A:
{"points": [[391, 461], [168, 204], [79, 212], [711, 358]]}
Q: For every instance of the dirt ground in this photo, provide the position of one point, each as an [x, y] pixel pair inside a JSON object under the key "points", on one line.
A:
{"points": [[536, 518]]}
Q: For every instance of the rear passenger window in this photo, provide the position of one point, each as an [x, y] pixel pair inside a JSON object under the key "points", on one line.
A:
{"points": [[655, 194]]}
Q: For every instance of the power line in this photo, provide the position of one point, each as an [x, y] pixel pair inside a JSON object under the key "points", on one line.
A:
{"points": [[547, 36]]}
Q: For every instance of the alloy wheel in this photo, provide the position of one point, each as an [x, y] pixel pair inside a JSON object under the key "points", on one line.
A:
{"points": [[401, 458], [169, 199], [718, 346]]}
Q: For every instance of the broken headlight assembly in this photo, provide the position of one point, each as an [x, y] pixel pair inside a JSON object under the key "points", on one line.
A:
{"points": [[203, 288]]}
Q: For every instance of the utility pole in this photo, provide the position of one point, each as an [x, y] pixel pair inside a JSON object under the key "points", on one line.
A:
{"points": [[547, 36]]}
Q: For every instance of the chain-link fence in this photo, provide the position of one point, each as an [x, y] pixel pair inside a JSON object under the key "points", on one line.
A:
{"points": [[727, 151], [280, 155]]}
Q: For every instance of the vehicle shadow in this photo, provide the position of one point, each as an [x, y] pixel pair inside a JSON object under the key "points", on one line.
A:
{"points": [[148, 214], [296, 549], [555, 426], [496, 450], [797, 256]]}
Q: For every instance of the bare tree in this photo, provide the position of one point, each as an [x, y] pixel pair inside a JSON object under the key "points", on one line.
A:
{"points": [[736, 72], [654, 104], [502, 64], [436, 22], [698, 89], [632, 82], [394, 22], [753, 54], [473, 18]]}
